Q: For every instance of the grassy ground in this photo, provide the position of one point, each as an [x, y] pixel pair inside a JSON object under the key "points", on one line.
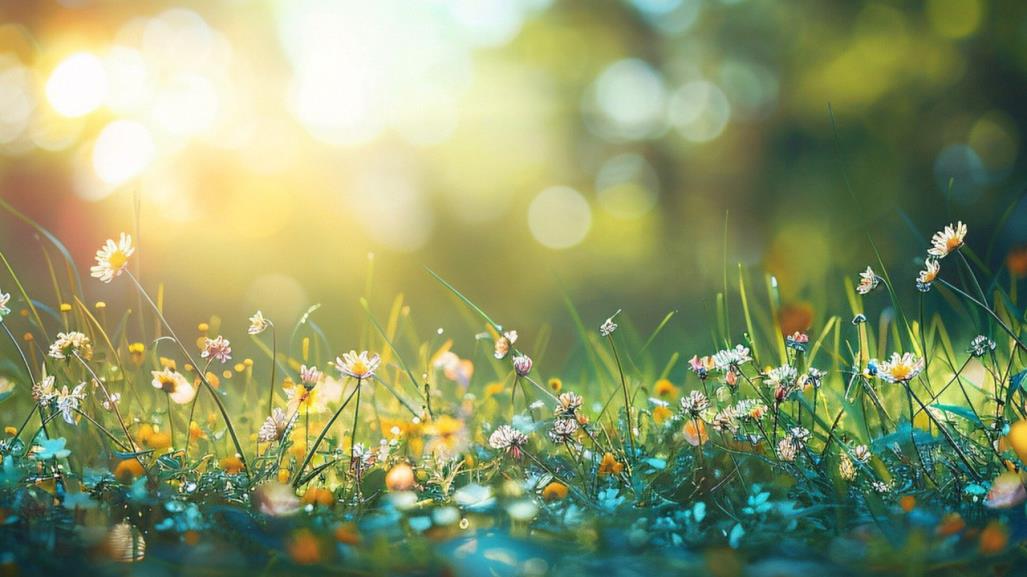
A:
{"points": [[884, 440]]}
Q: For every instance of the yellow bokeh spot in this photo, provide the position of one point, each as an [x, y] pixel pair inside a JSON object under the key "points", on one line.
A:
{"points": [[995, 139], [955, 18]]}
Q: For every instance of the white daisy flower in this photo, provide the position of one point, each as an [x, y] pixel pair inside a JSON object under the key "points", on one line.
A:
{"points": [[112, 258], [947, 240], [174, 384], [358, 366]]}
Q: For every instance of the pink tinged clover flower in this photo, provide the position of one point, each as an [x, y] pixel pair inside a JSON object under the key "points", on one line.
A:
{"points": [[508, 439], [504, 343], [309, 375], [522, 365], [218, 348]]}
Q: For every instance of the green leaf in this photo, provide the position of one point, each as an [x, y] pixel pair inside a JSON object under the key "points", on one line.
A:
{"points": [[960, 412]]}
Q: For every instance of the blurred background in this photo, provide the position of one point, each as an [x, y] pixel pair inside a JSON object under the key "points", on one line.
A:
{"points": [[520, 148]]}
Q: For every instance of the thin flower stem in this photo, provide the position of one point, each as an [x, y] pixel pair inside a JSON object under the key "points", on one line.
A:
{"points": [[321, 436], [28, 417], [912, 439], [28, 367], [110, 400], [104, 430], [171, 421], [192, 412], [988, 310], [624, 388], [948, 436], [356, 420], [42, 428], [203, 377], [274, 364]]}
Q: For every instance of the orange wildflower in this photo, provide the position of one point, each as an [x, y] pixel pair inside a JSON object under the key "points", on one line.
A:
{"points": [[232, 465], [555, 491], [304, 548], [994, 538], [128, 470], [610, 466], [665, 389], [695, 432]]}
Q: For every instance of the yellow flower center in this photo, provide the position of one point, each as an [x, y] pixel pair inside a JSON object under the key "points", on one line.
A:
{"points": [[901, 372], [358, 368], [953, 243], [117, 260], [168, 384]]}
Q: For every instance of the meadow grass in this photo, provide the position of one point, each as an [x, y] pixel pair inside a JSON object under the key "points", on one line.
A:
{"points": [[883, 440]]}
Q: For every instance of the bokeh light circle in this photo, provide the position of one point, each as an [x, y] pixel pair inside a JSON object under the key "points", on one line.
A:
{"points": [[700, 111], [960, 173], [628, 101], [559, 217], [122, 151], [78, 85], [627, 185]]}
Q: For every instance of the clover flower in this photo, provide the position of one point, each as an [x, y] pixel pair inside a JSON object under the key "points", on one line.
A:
{"points": [[71, 344], [112, 258], [522, 365], [947, 240], [797, 341], [358, 365], [363, 458], [702, 365], [563, 430], [880, 487], [981, 345], [813, 377], [726, 420], [750, 409], [800, 435], [273, 427], [504, 343], [608, 326], [786, 450], [508, 439], [218, 348], [567, 404], [174, 384], [784, 380], [729, 359], [695, 403]]}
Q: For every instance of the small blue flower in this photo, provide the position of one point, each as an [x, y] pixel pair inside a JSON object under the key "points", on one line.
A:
{"points": [[52, 449], [734, 539]]}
